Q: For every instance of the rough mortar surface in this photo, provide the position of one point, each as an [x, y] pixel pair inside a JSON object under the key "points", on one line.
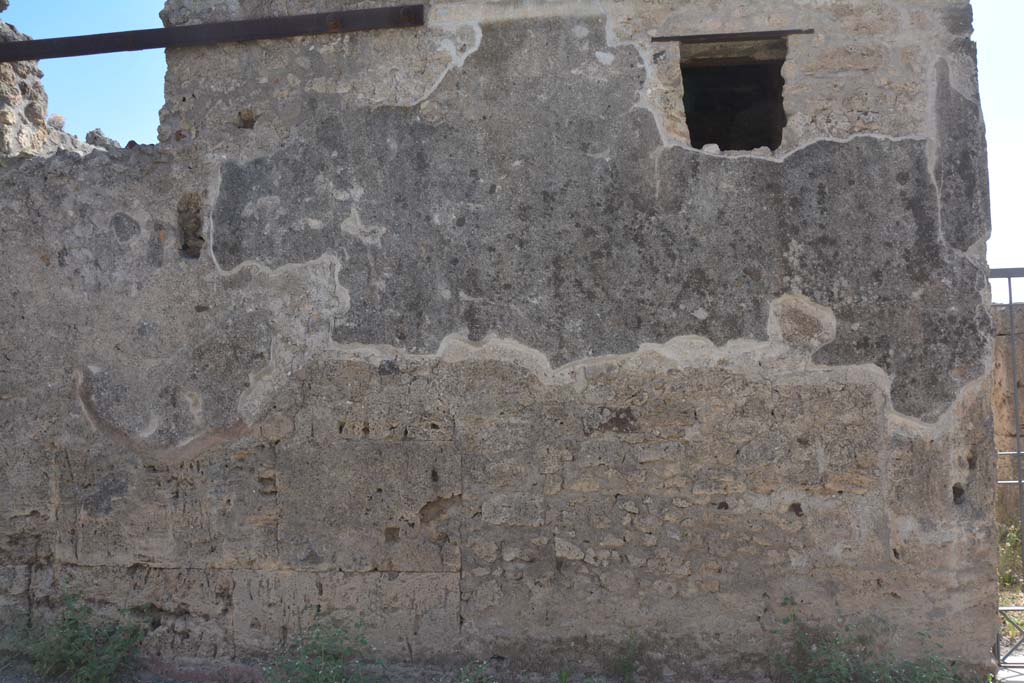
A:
{"points": [[450, 332]]}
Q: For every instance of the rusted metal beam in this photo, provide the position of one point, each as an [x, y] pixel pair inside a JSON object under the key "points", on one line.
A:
{"points": [[1006, 272], [345, 21], [732, 37]]}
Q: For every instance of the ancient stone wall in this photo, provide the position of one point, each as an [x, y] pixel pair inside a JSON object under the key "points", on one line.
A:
{"points": [[449, 331]]}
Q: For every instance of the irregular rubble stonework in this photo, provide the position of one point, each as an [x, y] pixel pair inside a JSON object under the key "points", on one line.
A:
{"points": [[23, 125], [449, 331], [96, 138]]}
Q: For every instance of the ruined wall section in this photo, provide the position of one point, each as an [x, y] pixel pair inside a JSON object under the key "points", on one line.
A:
{"points": [[24, 129], [448, 331]]}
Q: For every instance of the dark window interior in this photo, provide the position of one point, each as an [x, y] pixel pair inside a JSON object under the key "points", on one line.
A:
{"points": [[735, 106]]}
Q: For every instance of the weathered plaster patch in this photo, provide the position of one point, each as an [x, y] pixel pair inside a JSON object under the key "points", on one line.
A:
{"points": [[368, 234]]}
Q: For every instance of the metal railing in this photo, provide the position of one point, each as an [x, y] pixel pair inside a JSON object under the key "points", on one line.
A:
{"points": [[1012, 616]]}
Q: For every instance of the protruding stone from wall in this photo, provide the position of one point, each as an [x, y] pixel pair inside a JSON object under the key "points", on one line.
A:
{"points": [[97, 138]]}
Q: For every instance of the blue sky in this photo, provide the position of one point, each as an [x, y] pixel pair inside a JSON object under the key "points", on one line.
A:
{"points": [[122, 93], [996, 31]]}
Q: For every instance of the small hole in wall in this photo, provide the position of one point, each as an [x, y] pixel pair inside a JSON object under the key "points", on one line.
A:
{"points": [[732, 94], [797, 509], [896, 553], [723, 505], [388, 367], [246, 119], [958, 494], [190, 224]]}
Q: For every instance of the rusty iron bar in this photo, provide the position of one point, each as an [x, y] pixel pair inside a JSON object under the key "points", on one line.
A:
{"points": [[732, 37], [347, 21], [1005, 272]]}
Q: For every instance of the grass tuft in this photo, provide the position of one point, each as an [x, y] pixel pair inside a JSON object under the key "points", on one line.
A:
{"points": [[79, 646], [475, 672], [851, 656], [324, 654]]}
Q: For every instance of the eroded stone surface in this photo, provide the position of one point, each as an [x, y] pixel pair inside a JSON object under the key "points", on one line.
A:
{"points": [[499, 506], [449, 332]]}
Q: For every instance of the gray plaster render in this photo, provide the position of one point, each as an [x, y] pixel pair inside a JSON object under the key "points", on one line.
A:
{"points": [[449, 331]]}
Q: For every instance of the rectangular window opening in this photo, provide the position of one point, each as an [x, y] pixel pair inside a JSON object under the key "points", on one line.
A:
{"points": [[732, 92]]}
